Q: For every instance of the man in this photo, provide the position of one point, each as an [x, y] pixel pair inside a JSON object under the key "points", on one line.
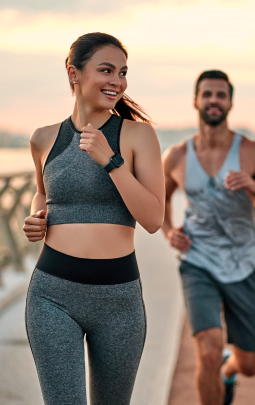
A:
{"points": [[215, 168]]}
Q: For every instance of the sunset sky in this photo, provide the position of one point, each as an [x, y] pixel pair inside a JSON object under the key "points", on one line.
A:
{"points": [[169, 43]]}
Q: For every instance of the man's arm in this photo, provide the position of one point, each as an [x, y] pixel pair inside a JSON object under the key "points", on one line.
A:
{"points": [[176, 237], [170, 186], [245, 178]]}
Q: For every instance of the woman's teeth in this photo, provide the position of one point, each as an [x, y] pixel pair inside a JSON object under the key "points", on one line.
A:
{"points": [[110, 93]]}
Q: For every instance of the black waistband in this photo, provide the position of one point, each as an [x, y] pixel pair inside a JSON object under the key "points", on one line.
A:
{"points": [[88, 271]]}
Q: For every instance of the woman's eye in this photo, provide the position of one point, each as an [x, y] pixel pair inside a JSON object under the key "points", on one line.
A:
{"points": [[106, 70], [123, 73]]}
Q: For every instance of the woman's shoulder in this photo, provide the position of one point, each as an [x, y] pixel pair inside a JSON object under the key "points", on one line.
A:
{"points": [[42, 137], [137, 126], [138, 131]]}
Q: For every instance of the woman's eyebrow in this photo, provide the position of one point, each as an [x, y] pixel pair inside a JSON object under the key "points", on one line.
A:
{"points": [[111, 65]]}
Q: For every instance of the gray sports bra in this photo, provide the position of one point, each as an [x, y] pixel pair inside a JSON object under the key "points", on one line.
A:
{"points": [[78, 189]]}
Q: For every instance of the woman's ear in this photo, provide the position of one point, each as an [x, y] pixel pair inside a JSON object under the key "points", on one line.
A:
{"points": [[72, 74]]}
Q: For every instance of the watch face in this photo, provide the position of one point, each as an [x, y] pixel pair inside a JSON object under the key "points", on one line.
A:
{"points": [[118, 159]]}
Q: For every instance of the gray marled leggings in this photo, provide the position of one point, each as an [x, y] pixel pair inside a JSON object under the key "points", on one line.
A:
{"points": [[59, 313]]}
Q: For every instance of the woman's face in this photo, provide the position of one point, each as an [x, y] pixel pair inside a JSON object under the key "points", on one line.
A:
{"points": [[103, 81]]}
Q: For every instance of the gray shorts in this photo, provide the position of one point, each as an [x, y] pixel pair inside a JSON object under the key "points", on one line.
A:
{"points": [[205, 298]]}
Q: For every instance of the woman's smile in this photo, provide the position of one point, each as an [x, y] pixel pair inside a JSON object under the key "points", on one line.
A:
{"points": [[110, 94]]}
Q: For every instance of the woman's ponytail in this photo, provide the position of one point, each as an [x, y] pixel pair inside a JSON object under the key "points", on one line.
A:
{"points": [[130, 110]]}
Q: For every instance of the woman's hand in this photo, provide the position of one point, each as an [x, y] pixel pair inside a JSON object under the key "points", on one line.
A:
{"points": [[95, 144], [35, 226]]}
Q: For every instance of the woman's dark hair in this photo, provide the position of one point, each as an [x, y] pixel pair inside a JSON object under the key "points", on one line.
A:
{"points": [[83, 49], [214, 74]]}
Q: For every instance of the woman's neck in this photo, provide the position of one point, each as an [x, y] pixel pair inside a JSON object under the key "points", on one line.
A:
{"points": [[84, 115]]}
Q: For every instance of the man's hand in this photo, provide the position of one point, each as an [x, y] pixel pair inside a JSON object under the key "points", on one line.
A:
{"points": [[35, 226], [95, 144], [237, 180], [178, 239]]}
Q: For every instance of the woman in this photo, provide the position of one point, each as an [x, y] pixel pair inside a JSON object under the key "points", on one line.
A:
{"points": [[97, 173]]}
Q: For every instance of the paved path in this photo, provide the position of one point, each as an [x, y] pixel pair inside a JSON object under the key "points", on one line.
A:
{"points": [[18, 380], [164, 305], [183, 386]]}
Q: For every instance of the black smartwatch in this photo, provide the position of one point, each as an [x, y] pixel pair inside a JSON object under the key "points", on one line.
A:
{"points": [[115, 161]]}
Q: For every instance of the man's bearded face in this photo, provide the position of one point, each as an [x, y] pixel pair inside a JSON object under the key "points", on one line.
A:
{"points": [[213, 114]]}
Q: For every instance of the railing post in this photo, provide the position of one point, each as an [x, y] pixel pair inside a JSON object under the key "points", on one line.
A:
{"points": [[10, 239], [13, 205]]}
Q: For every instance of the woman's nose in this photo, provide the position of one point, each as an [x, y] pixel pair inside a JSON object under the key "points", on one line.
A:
{"points": [[115, 80]]}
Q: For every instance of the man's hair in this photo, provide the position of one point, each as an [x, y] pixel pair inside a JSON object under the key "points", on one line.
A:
{"points": [[214, 74]]}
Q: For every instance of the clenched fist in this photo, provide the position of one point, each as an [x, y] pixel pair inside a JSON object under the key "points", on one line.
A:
{"points": [[237, 180], [35, 226], [178, 239], [95, 144]]}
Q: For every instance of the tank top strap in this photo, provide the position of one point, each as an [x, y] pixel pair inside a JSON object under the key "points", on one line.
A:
{"points": [[191, 156], [195, 176], [232, 161], [189, 159], [190, 148]]}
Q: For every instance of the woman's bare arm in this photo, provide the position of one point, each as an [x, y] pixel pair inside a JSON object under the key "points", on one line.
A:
{"points": [[144, 192], [176, 237], [36, 224]]}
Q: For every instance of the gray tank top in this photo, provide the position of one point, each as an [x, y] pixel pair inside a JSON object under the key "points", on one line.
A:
{"points": [[219, 222], [78, 189]]}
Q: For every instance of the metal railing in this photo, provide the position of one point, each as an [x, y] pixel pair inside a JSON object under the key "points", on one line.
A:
{"points": [[16, 192]]}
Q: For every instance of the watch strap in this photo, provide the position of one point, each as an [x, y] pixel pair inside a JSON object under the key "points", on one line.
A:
{"points": [[115, 161], [110, 166]]}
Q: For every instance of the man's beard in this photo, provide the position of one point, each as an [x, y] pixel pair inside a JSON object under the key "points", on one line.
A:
{"points": [[213, 120]]}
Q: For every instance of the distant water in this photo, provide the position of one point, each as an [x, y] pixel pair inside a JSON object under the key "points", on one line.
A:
{"points": [[12, 159], [20, 158], [170, 137]]}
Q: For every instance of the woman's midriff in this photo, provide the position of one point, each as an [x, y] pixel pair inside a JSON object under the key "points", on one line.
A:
{"points": [[91, 241]]}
